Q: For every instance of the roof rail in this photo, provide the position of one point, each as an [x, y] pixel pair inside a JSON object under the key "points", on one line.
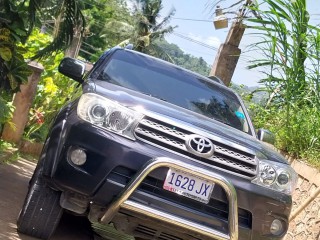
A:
{"points": [[129, 46], [216, 79]]}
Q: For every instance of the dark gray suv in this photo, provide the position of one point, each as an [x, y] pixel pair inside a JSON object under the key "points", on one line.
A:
{"points": [[162, 153]]}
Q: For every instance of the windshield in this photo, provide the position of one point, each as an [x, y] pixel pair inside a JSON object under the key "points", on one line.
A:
{"points": [[174, 85]]}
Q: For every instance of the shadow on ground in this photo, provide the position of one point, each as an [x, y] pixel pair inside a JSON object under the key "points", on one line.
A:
{"points": [[14, 180]]}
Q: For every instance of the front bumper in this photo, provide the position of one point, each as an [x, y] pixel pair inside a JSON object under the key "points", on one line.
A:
{"points": [[114, 160], [123, 202]]}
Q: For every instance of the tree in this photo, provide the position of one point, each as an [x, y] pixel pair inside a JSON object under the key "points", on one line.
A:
{"points": [[177, 56], [147, 28], [17, 20], [53, 89], [13, 69], [105, 20], [66, 14]]}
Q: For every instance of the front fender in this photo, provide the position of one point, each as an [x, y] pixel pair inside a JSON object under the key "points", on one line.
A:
{"points": [[56, 140]]}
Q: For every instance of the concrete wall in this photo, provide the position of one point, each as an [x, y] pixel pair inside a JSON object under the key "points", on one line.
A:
{"points": [[306, 226]]}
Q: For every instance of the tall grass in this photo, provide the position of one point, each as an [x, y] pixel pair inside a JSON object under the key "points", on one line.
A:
{"points": [[290, 61], [298, 136]]}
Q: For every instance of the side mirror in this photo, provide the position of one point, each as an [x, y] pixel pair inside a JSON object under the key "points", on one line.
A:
{"points": [[266, 136], [72, 68]]}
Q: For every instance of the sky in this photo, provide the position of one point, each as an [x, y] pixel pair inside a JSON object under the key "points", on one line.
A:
{"points": [[194, 21]]}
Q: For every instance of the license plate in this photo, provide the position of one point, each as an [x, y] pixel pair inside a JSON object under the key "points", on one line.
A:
{"points": [[188, 185]]}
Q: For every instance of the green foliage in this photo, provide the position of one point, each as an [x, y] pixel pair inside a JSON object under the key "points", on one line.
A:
{"points": [[250, 95], [145, 29], [5, 145], [175, 55], [8, 152], [54, 89], [290, 49], [13, 69], [288, 45], [66, 13], [6, 110], [299, 136], [106, 26], [17, 20]]}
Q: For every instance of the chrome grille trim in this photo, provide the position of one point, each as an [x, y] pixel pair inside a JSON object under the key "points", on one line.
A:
{"points": [[163, 128], [236, 155], [160, 138], [155, 133], [234, 165]]}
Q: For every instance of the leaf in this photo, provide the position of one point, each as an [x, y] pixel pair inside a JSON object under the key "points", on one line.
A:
{"points": [[72, 19], [5, 53], [261, 21], [279, 10], [5, 32], [13, 82], [259, 64]]}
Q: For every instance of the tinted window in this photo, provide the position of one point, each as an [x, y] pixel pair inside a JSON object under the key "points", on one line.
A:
{"points": [[172, 84]]}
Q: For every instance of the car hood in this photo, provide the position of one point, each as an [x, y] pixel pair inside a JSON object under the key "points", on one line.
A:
{"points": [[130, 98]]}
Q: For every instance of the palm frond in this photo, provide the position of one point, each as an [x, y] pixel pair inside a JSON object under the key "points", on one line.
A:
{"points": [[72, 21], [161, 33], [165, 20], [34, 7]]}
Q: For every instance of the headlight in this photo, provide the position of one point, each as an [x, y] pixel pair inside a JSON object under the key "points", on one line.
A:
{"points": [[108, 114], [277, 176]]}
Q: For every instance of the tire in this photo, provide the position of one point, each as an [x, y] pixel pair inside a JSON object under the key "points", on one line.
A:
{"points": [[41, 211]]}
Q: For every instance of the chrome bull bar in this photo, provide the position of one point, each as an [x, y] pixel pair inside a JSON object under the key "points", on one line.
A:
{"points": [[122, 201]]}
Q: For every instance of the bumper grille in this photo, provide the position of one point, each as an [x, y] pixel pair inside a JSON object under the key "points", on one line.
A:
{"points": [[155, 234], [174, 138], [216, 208]]}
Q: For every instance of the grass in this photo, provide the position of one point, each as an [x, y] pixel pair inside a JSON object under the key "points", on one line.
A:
{"points": [[29, 157], [9, 156], [107, 231], [8, 152], [312, 158]]}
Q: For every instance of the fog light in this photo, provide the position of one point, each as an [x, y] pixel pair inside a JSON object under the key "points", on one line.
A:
{"points": [[78, 156], [276, 227]]}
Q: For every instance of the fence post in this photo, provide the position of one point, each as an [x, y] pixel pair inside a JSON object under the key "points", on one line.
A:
{"points": [[22, 102]]}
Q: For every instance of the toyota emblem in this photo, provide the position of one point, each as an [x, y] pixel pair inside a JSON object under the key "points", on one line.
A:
{"points": [[200, 146]]}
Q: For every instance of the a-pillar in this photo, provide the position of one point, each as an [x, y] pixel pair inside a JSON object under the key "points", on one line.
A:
{"points": [[22, 102]]}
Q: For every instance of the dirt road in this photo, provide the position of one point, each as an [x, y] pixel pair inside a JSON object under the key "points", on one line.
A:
{"points": [[13, 187]]}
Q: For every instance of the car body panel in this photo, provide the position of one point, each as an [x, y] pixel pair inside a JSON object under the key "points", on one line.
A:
{"points": [[112, 160]]}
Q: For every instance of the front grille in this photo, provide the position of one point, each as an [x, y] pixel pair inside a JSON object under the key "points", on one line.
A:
{"points": [[173, 138], [153, 186]]}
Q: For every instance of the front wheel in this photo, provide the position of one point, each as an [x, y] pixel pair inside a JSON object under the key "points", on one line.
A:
{"points": [[41, 211]]}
